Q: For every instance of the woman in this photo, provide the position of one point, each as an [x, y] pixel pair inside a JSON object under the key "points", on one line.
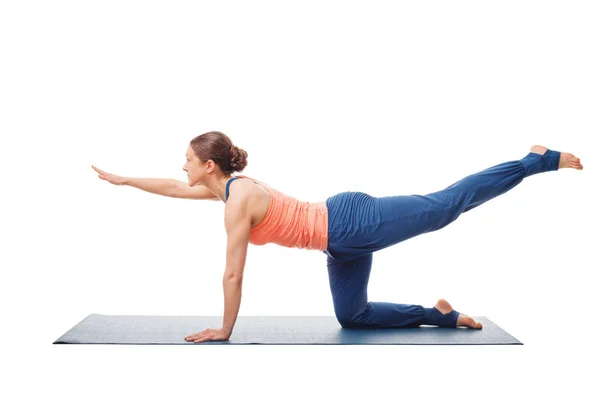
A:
{"points": [[348, 227]]}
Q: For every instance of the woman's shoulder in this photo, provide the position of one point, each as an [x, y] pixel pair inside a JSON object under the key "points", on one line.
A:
{"points": [[248, 186], [254, 181]]}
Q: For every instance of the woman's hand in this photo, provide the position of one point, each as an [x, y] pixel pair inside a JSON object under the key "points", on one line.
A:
{"points": [[209, 334], [114, 179]]}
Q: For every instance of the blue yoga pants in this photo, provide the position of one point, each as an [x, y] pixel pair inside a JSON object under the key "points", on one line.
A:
{"points": [[360, 224]]}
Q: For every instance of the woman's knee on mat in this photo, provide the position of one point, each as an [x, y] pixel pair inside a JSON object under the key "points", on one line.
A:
{"points": [[349, 318], [351, 323]]}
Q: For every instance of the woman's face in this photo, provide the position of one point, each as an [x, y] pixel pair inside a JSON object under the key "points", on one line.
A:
{"points": [[192, 167]]}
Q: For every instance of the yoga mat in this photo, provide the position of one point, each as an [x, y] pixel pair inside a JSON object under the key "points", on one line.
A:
{"points": [[154, 329]]}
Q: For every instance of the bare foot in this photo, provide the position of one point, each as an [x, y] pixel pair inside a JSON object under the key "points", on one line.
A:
{"points": [[567, 160], [463, 320]]}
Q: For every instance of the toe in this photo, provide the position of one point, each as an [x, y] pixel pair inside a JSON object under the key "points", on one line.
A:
{"points": [[474, 325], [465, 320]]}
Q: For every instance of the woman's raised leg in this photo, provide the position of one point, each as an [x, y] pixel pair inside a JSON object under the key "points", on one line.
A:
{"points": [[478, 188], [377, 223]]}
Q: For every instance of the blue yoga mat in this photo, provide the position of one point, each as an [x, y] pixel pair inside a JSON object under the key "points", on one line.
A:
{"points": [[153, 329]]}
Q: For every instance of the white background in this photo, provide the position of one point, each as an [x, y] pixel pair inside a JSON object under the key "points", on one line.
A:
{"points": [[387, 98]]}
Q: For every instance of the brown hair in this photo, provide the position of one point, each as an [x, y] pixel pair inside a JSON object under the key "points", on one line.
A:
{"points": [[218, 147]]}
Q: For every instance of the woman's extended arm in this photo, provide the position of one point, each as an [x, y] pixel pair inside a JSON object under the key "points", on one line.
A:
{"points": [[164, 187]]}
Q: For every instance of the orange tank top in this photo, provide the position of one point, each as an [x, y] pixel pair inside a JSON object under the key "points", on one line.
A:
{"points": [[290, 222]]}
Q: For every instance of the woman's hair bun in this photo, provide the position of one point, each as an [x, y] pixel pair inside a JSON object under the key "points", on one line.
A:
{"points": [[239, 158]]}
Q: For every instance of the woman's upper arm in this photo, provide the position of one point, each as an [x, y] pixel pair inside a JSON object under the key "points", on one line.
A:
{"points": [[199, 192]]}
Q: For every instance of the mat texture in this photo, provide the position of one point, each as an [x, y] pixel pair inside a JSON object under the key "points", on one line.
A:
{"points": [[153, 329]]}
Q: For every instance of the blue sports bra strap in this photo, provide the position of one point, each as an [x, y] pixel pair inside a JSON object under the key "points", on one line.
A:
{"points": [[227, 187]]}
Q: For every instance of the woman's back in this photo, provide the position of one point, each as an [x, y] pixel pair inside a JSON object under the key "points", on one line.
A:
{"points": [[287, 221]]}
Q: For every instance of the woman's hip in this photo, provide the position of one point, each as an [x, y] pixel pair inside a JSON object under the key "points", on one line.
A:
{"points": [[359, 223], [354, 211]]}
